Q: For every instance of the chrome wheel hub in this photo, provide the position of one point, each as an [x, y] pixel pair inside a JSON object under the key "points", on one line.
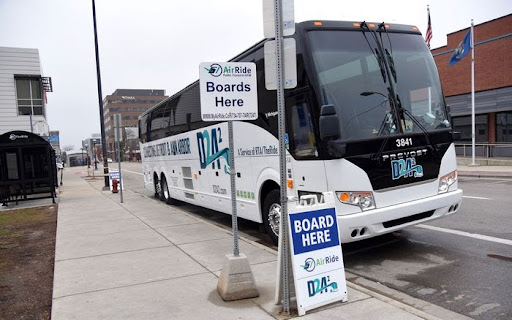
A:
{"points": [[274, 216]]}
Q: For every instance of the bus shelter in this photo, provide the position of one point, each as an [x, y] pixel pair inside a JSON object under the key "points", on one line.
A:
{"points": [[27, 167]]}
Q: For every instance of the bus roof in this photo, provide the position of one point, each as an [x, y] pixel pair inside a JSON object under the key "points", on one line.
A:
{"points": [[355, 26], [304, 26]]}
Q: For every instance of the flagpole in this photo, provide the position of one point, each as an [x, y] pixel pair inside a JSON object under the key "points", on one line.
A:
{"points": [[472, 96]]}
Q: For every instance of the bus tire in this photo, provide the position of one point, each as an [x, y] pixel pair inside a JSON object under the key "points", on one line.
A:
{"points": [[158, 189], [165, 196], [272, 214]]}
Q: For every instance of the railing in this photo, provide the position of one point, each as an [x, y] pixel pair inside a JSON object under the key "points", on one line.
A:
{"points": [[487, 150]]}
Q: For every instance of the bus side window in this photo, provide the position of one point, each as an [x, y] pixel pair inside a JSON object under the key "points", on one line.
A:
{"points": [[143, 127], [302, 136]]}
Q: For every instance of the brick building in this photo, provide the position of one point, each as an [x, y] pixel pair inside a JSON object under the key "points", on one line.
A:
{"points": [[130, 103], [493, 84]]}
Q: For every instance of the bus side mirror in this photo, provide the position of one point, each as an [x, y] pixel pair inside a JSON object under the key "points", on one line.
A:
{"points": [[329, 123]]}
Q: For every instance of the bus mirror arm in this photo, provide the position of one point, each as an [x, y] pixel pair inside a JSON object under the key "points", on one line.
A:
{"points": [[336, 149]]}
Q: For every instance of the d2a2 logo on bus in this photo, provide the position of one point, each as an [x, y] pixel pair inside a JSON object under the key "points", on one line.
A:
{"points": [[209, 153], [406, 168]]}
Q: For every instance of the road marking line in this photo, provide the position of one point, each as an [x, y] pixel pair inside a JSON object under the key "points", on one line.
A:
{"points": [[133, 172], [467, 234], [480, 198]]}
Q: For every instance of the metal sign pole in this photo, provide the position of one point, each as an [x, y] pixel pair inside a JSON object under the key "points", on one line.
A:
{"points": [[232, 173], [120, 175], [282, 153], [118, 135]]}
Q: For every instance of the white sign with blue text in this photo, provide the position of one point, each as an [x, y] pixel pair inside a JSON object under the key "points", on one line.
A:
{"points": [[113, 174], [228, 91], [317, 258]]}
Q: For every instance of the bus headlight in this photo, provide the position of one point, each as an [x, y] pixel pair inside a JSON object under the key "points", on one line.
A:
{"points": [[446, 181], [363, 200]]}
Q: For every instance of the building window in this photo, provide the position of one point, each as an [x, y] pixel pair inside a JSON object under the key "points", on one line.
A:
{"points": [[463, 125], [29, 96], [504, 127]]}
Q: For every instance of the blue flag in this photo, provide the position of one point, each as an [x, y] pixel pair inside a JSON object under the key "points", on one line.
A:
{"points": [[462, 50]]}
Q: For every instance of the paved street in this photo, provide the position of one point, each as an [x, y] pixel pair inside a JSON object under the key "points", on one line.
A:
{"points": [[461, 263], [467, 273]]}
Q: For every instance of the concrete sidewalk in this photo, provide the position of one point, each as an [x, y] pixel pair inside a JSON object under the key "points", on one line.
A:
{"points": [[146, 260], [485, 168], [485, 171]]}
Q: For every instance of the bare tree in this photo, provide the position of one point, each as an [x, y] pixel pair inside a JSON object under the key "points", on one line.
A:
{"points": [[68, 147]]}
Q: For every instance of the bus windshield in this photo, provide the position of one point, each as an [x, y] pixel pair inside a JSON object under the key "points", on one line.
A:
{"points": [[352, 77]]}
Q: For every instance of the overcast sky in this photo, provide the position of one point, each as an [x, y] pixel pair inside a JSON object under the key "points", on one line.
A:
{"points": [[158, 44]]}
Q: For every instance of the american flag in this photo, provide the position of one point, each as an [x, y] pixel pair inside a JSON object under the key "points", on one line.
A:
{"points": [[428, 35]]}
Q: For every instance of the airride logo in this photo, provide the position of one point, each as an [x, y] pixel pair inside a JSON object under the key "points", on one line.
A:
{"points": [[310, 263], [215, 70], [15, 136]]}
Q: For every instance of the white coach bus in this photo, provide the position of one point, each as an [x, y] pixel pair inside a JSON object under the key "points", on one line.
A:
{"points": [[367, 121]]}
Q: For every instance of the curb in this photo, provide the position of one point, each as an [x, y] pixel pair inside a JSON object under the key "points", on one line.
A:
{"points": [[485, 174]]}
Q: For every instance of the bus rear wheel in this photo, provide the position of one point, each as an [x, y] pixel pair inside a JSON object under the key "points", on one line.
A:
{"points": [[158, 189], [272, 215], [164, 191]]}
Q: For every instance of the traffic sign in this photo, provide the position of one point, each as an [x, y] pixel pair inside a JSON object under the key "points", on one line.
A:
{"points": [[288, 18], [228, 91], [290, 64]]}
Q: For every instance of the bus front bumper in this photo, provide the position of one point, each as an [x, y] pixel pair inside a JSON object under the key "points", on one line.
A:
{"points": [[371, 223]]}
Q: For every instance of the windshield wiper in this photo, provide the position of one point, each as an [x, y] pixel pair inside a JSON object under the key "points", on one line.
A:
{"points": [[376, 54], [389, 56], [422, 128], [383, 61], [391, 64]]}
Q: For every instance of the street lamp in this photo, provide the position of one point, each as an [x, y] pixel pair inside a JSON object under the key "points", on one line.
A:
{"points": [[87, 153], [94, 154]]}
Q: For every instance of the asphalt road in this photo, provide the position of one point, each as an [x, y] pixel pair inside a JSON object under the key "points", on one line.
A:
{"points": [[462, 263]]}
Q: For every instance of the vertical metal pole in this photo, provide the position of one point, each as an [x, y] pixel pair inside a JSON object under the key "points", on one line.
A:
{"points": [[232, 174], [472, 96], [282, 151], [31, 125], [94, 159], [100, 98], [120, 175]]}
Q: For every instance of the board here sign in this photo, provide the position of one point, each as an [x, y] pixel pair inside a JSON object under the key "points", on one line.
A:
{"points": [[317, 258], [113, 174], [228, 91]]}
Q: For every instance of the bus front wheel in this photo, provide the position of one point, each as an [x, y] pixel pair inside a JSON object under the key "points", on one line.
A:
{"points": [[272, 215]]}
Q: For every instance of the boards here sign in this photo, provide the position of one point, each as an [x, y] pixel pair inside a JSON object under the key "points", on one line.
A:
{"points": [[316, 256], [228, 91]]}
